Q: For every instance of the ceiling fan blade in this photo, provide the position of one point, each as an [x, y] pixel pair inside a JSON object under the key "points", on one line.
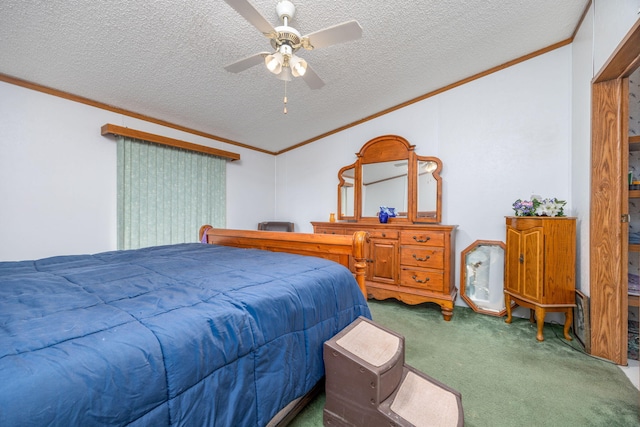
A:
{"points": [[247, 62], [339, 33], [249, 12], [312, 79]]}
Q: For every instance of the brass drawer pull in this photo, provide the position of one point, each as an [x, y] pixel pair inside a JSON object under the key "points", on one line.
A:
{"points": [[415, 278], [421, 241], [420, 259]]}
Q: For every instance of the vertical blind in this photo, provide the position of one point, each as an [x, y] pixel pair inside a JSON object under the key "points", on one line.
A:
{"points": [[165, 193]]}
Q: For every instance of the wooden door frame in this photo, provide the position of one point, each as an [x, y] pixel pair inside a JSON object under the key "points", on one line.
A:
{"points": [[609, 202]]}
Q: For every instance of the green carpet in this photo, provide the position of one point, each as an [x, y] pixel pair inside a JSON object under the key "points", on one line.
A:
{"points": [[506, 377]]}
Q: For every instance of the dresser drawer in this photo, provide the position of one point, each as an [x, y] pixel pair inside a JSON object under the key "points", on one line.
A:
{"points": [[421, 256], [429, 238], [422, 279], [330, 230], [383, 234]]}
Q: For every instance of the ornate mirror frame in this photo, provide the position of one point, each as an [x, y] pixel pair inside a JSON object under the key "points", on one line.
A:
{"points": [[482, 277], [420, 182]]}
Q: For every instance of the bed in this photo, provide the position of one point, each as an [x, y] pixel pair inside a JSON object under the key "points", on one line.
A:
{"points": [[218, 334]]}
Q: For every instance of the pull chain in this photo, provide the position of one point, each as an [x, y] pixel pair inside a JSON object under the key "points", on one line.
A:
{"points": [[285, 97]]}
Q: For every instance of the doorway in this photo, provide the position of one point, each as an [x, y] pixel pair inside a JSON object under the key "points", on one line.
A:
{"points": [[609, 200]]}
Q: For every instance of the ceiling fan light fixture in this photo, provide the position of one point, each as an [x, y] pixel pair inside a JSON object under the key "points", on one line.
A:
{"points": [[286, 40], [285, 74], [274, 62], [298, 66]]}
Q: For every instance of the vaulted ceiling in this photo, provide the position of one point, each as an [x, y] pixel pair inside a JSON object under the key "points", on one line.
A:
{"points": [[165, 59]]}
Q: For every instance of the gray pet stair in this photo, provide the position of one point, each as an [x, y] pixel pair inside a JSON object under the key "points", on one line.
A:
{"points": [[369, 385]]}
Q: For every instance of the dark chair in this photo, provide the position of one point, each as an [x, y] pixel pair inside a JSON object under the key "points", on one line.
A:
{"points": [[275, 226]]}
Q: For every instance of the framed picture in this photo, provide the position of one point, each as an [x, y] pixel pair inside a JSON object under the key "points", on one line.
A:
{"points": [[581, 323]]}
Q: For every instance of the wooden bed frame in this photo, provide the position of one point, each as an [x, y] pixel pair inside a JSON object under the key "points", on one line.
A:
{"points": [[341, 249], [345, 250]]}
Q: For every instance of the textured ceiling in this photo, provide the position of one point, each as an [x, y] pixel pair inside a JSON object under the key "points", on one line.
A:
{"points": [[164, 58]]}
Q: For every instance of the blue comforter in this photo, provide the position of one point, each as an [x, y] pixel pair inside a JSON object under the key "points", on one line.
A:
{"points": [[186, 334]]}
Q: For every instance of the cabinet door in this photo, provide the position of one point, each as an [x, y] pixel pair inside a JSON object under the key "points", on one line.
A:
{"points": [[383, 254], [512, 266], [523, 267], [532, 279]]}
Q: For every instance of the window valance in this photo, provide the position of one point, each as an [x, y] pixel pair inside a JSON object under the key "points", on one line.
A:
{"points": [[163, 140]]}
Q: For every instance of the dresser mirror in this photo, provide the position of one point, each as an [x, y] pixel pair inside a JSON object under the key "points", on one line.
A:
{"points": [[428, 189], [346, 193], [385, 184], [389, 173]]}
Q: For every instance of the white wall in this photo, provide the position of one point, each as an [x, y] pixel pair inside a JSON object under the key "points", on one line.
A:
{"points": [[523, 130], [500, 138], [582, 73], [612, 20], [58, 176], [602, 30], [503, 137]]}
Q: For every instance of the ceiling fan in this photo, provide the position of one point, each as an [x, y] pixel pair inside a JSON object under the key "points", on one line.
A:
{"points": [[286, 40]]}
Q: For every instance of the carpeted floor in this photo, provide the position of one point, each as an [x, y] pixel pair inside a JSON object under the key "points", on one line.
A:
{"points": [[505, 376]]}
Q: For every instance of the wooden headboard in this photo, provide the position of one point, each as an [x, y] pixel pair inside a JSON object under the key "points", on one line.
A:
{"points": [[333, 247]]}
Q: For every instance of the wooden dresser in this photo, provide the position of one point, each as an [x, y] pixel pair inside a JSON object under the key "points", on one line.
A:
{"points": [[540, 267], [413, 263]]}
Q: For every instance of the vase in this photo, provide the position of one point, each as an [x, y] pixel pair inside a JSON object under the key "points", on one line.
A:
{"points": [[383, 217]]}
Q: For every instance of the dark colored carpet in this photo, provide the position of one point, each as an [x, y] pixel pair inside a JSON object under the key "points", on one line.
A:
{"points": [[506, 377]]}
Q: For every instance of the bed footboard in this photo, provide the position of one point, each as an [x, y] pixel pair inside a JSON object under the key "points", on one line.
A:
{"points": [[333, 247]]}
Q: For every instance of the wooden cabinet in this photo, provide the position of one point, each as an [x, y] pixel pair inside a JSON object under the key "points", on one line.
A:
{"points": [[540, 264], [413, 263]]}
